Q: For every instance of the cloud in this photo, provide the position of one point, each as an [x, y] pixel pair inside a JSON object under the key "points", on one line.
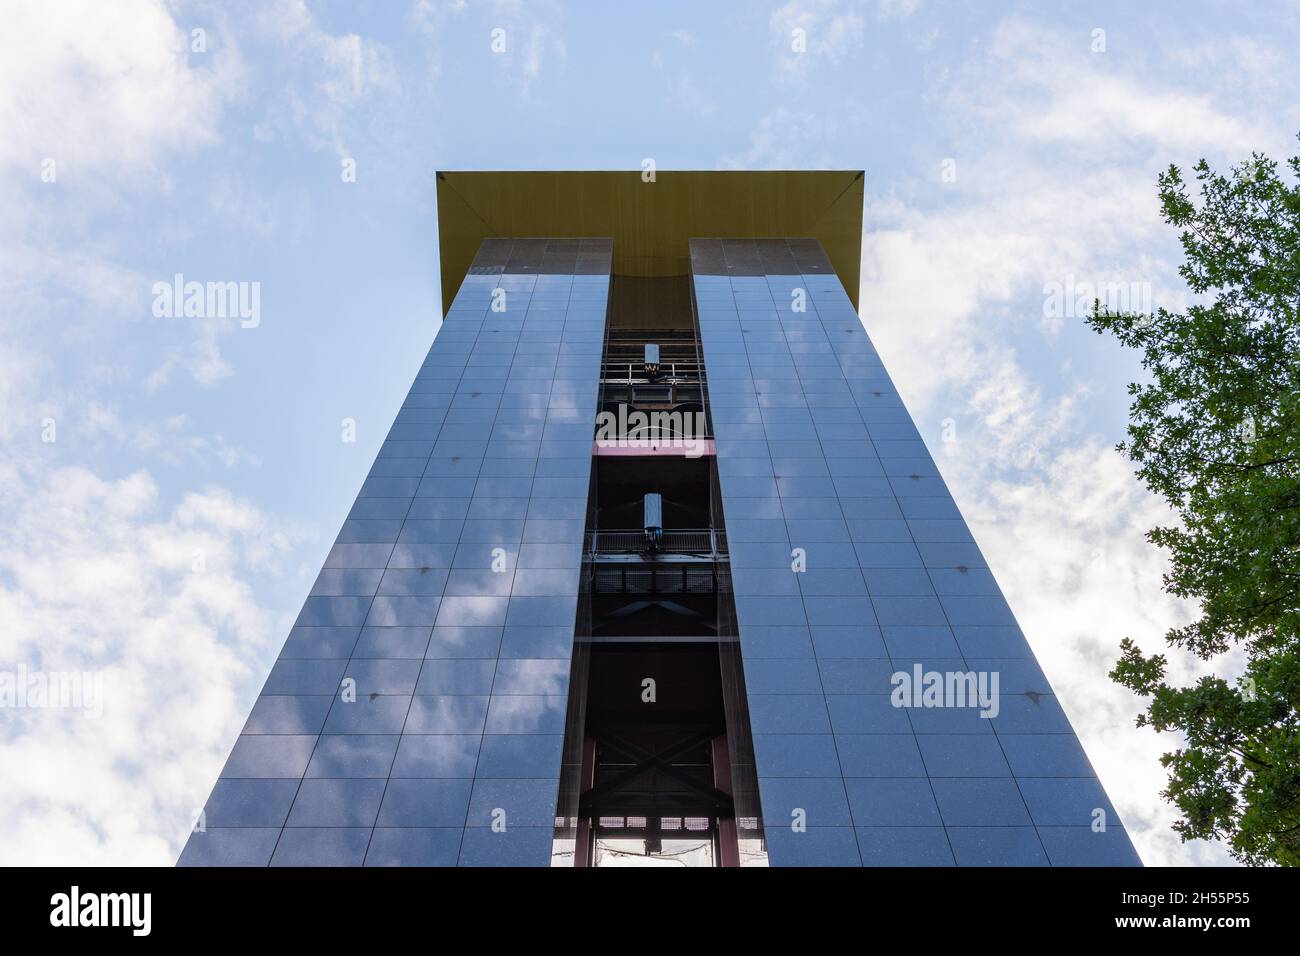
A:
{"points": [[168, 441], [100, 87], [1052, 89], [200, 356], [788, 139], [531, 41], [963, 273], [337, 81], [805, 32], [99, 578], [101, 575], [1060, 518], [1055, 183], [110, 97]]}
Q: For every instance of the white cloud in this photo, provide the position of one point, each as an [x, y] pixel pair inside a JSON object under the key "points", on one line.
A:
{"points": [[809, 32], [97, 577], [97, 574], [1239, 61], [110, 95], [342, 79], [533, 34], [169, 441], [1061, 520], [787, 139], [198, 355], [952, 294], [946, 278], [105, 86], [1050, 88]]}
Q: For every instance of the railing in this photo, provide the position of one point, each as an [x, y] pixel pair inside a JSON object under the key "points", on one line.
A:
{"points": [[634, 373], [702, 542]]}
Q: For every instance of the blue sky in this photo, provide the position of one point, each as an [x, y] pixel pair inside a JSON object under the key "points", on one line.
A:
{"points": [[167, 535]]}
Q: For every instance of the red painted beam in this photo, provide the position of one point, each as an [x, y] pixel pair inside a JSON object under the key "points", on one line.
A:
{"points": [[728, 841]]}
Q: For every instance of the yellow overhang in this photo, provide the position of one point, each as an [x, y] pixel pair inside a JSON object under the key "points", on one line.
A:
{"points": [[650, 221]]}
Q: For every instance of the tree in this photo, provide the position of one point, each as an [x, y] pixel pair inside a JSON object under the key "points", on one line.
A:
{"points": [[1215, 431]]}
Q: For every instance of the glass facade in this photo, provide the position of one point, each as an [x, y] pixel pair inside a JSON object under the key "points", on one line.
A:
{"points": [[864, 695], [416, 713], [823, 474]]}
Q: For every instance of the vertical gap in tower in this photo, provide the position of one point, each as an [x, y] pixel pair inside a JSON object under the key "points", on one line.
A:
{"points": [[658, 766]]}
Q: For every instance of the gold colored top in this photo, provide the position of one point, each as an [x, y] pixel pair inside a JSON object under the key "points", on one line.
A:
{"points": [[650, 222]]}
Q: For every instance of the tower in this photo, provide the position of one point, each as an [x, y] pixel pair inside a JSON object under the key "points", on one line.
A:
{"points": [[655, 568]]}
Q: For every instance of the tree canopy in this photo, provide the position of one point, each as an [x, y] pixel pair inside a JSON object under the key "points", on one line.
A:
{"points": [[1215, 431]]}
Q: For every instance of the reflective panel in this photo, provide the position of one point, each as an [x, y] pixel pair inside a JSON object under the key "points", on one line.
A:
{"points": [[899, 718], [422, 689]]}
